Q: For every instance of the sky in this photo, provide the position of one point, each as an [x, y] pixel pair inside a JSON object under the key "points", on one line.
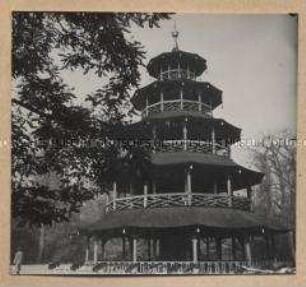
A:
{"points": [[251, 58]]}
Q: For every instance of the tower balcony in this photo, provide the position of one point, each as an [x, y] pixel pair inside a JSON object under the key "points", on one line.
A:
{"points": [[195, 146], [165, 200], [177, 105], [177, 73]]}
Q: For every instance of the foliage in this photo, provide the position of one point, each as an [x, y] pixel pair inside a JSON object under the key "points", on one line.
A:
{"points": [[50, 134]]}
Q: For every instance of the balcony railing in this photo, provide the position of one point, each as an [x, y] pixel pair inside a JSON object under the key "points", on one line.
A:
{"points": [[168, 146], [177, 106], [179, 199], [177, 74], [181, 267]]}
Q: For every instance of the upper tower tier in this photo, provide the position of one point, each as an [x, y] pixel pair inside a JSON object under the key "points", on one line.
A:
{"points": [[176, 91], [176, 65]]}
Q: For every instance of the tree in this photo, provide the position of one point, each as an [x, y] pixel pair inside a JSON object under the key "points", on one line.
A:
{"points": [[47, 128], [276, 158]]}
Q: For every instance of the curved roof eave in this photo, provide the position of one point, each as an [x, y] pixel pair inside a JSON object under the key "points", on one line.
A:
{"points": [[178, 217]]}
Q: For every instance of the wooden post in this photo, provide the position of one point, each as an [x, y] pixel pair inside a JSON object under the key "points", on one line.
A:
{"points": [[219, 248], [249, 196], [169, 72], [273, 247], [213, 140], [103, 242], [194, 250], [149, 249], [182, 100], [248, 253], [147, 106], [188, 184], [145, 193], [107, 202], [114, 194], [123, 248], [161, 102], [95, 258], [200, 102], [188, 71], [234, 255], [87, 252], [207, 248], [154, 248], [215, 187], [229, 191], [185, 134], [134, 250]]}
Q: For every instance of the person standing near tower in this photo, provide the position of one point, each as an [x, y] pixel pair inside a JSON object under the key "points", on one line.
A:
{"points": [[18, 261]]}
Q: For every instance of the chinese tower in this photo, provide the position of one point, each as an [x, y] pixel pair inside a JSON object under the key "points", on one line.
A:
{"points": [[185, 215]]}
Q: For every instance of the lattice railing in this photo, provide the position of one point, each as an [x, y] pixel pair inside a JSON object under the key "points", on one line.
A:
{"points": [[181, 267], [176, 106], [180, 199], [177, 74], [168, 146]]}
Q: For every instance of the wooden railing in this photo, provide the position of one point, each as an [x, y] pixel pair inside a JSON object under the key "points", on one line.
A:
{"points": [[168, 146], [177, 74], [179, 199], [179, 267], [176, 106]]}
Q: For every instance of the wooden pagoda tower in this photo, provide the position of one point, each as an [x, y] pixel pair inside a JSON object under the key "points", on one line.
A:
{"points": [[186, 209]]}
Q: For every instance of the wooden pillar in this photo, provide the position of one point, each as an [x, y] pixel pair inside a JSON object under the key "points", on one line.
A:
{"points": [[195, 250], [181, 99], [215, 187], [229, 191], [207, 248], [154, 139], [107, 202], [188, 184], [273, 247], [249, 196], [134, 250], [114, 194], [213, 140], [219, 248], [161, 102], [248, 253], [154, 251], [234, 253], [169, 77], [200, 102], [149, 249], [185, 134], [147, 106], [103, 242], [145, 193], [95, 255], [188, 71], [199, 248], [268, 248], [123, 248], [87, 252], [131, 248]]}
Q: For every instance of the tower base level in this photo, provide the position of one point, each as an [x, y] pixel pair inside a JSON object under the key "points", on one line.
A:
{"points": [[188, 267]]}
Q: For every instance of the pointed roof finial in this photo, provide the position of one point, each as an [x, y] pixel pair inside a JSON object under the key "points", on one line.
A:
{"points": [[175, 35]]}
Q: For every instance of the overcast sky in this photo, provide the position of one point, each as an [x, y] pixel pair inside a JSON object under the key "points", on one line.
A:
{"points": [[251, 58]]}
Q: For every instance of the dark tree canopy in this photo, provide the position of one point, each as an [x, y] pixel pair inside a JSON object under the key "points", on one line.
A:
{"points": [[47, 128]]}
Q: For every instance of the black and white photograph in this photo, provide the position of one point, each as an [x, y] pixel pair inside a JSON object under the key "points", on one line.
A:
{"points": [[153, 144]]}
